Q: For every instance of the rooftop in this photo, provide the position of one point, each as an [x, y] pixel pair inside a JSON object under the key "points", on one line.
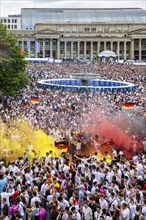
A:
{"points": [[81, 15]]}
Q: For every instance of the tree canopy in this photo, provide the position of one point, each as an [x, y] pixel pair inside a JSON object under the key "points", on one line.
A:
{"points": [[13, 76]]}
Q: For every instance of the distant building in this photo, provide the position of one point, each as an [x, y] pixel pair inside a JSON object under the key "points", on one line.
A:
{"points": [[12, 22], [83, 33]]}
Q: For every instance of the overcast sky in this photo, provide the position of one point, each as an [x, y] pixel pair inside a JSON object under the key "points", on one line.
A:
{"points": [[9, 7]]}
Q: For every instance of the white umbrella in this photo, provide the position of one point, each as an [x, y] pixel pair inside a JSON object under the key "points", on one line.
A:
{"points": [[107, 53]]}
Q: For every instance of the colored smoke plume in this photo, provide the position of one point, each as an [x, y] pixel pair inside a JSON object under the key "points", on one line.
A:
{"points": [[19, 136], [117, 128]]}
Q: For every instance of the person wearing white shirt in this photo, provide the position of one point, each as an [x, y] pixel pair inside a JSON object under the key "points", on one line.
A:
{"points": [[4, 216], [140, 170], [84, 160], [34, 199], [98, 176], [20, 207], [93, 189], [132, 207], [63, 203], [13, 168], [109, 176], [7, 195], [98, 213], [106, 215], [125, 212], [48, 157], [66, 168], [82, 166], [113, 204], [75, 214], [115, 187], [50, 198], [44, 187], [135, 159], [102, 202], [87, 212], [144, 209]]}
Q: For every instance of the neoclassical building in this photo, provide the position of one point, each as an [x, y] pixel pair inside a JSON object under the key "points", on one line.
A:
{"points": [[82, 33]]}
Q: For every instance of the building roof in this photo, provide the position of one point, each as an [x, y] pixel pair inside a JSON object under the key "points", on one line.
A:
{"points": [[64, 15]]}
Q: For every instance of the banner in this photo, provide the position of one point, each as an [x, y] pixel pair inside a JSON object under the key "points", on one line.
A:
{"points": [[28, 45], [37, 46]]}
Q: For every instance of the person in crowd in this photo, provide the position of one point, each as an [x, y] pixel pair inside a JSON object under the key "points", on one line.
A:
{"points": [[87, 212], [4, 216], [5, 207]]}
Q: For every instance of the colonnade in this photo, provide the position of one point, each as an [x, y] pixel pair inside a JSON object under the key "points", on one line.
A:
{"points": [[121, 47]]}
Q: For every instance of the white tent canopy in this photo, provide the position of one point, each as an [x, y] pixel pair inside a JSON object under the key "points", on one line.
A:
{"points": [[107, 53]]}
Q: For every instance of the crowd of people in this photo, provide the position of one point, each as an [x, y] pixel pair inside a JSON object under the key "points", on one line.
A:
{"points": [[73, 187]]}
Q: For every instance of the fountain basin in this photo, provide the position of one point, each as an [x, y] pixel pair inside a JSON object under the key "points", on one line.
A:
{"points": [[91, 85]]}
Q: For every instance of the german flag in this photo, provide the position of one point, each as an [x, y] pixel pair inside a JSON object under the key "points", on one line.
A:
{"points": [[34, 100], [107, 148], [62, 145], [24, 104], [128, 105]]}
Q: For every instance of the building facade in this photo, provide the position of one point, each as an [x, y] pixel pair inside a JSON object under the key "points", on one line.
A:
{"points": [[82, 33], [12, 22]]}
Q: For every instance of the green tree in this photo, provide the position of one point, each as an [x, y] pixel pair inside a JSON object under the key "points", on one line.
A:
{"points": [[13, 76]]}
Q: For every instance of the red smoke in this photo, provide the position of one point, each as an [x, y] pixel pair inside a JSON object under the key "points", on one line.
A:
{"points": [[112, 128]]}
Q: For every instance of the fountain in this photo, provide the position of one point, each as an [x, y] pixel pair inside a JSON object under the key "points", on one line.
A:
{"points": [[85, 82], [85, 76]]}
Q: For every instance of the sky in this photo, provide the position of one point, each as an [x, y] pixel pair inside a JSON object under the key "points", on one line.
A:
{"points": [[10, 7]]}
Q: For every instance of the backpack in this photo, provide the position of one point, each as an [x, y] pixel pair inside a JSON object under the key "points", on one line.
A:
{"points": [[13, 209]]}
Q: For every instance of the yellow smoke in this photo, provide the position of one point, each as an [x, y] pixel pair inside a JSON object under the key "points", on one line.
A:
{"points": [[107, 157], [18, 137]]}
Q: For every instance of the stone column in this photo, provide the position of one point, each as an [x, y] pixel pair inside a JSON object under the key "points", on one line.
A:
{"points": [[85, 49], [64, 49], [71, 50], [118, 49], [112, 46], [22, 45], [78, 50], [132, 49], [91, 50], [140, 57], [104, 45], [98, 48], [36, 52], [125, 44], [43, 48], [51, 48], [58, 49]]}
